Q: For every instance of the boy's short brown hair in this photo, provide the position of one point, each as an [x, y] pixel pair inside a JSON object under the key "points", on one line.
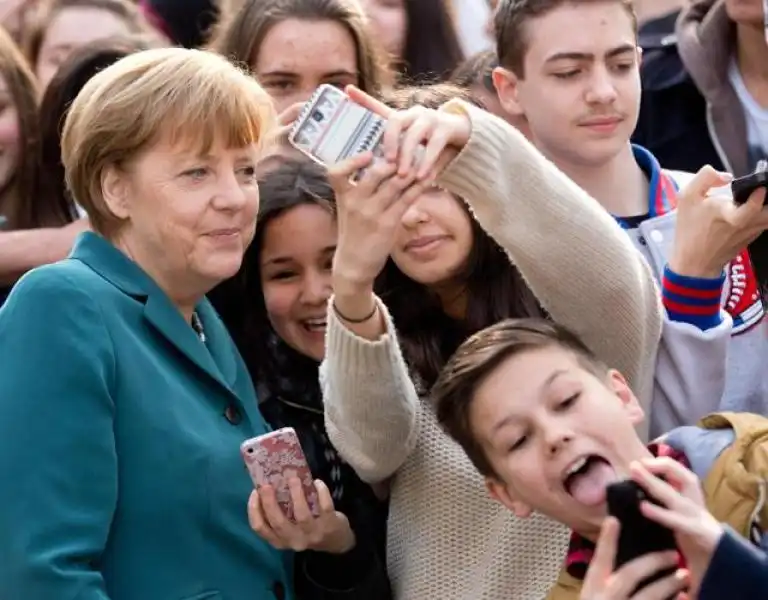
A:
{"points": [[510, 26], [479, 356]]}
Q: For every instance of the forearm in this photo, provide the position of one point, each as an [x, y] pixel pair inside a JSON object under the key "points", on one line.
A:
{"points": [[23, 250], [578, 262], [371, 404]]}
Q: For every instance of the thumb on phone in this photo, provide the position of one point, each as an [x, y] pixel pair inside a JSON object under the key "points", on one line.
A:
{"points": [[290, 114], [340, 175], [704, 180]]}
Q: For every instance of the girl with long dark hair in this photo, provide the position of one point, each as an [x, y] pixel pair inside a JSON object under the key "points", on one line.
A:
{"points": [[275, 310]]}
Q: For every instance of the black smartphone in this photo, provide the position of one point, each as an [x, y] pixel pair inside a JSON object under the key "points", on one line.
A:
{"points": [[639, 535], [742, 187]]}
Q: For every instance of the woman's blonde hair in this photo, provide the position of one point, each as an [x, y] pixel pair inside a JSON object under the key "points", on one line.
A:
{"points": [[171, 94]]}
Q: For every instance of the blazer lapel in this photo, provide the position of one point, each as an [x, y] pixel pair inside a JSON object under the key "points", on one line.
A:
{"points": [[216, 358], [219, 345], [168, 321]]}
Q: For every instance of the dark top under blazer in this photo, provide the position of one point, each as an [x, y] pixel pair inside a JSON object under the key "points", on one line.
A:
{"points": [[119, 443]]}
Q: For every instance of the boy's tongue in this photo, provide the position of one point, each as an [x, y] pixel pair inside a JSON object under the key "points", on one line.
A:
{"points": [[588, 488]]}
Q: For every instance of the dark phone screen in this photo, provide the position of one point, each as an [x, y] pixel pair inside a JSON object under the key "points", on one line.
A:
{"points": [[639, 536]]}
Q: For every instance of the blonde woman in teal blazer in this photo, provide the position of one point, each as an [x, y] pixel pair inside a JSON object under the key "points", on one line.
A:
{"points": [[123, 401]]}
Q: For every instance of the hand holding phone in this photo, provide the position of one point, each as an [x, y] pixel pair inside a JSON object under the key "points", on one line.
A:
{"points": [[742, 187], [288, 509], [331, 128], [604, 581], [639, 535], [682, 507], [276, 458]]}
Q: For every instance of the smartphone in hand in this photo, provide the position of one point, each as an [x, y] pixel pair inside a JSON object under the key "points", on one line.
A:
{"points": [[743, 187], [639, 535], [275, 458], [332, 128]]}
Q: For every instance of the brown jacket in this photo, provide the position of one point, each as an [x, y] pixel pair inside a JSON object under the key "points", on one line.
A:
{"points": [[729, 453]]}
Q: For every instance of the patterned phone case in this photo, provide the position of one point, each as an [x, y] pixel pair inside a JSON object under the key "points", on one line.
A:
{"points": [[332, 128], [275, 458]]}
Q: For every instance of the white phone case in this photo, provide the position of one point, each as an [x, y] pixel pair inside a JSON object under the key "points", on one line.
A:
{"points": [[331, 127]]}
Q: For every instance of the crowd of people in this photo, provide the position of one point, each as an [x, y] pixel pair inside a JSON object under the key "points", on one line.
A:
{"points": [[539, 287]]}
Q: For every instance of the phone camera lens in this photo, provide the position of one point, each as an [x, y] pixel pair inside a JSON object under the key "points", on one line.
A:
{"points": [[318, 116]]}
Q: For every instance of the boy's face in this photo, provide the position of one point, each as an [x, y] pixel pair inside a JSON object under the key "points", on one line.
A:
{"points": [[556, 436], [580, 90]]}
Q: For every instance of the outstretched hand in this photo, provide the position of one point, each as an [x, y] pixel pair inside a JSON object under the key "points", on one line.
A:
{"points": [[418, 138]]}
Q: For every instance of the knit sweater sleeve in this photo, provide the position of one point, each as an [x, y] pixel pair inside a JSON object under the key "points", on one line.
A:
{"points": [[577, 261], [371, 404]]}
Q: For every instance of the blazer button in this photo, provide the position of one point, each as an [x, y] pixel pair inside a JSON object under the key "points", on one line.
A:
{"points": [[278, 589], [233, 415]]}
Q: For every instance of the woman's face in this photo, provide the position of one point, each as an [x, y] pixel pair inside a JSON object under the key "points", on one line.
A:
{"points": [[73, 28], [10, 147], [434, 240], [295, 267], [390, 24], [188, 218], [297, 56]]}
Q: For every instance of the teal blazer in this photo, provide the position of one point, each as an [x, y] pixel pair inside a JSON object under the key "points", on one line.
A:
{"points": [[120, 473]]}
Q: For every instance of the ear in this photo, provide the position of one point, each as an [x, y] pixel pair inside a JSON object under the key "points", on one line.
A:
{"points": [[506, 84], [620, 387], [114, 189], [499, 491]]}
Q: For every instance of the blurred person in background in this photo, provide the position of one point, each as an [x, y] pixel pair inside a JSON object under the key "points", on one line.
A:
{"points": [[476, 75], [70, 78], [419, 36], [470, 18], [132, 487], [51, 219], [705, 95], [58, 27], [14, 16], [275, 310], [293, 46], [705, 89], [30, 228], [186, 23]]}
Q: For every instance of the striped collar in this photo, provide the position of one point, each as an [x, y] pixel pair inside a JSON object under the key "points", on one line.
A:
{"points": [[662, 189]]}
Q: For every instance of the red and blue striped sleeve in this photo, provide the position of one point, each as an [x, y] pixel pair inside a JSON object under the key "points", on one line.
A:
{"points": [[692, 300]]}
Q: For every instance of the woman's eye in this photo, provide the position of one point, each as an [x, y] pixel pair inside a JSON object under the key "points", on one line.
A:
{"points": [[197, 173]]}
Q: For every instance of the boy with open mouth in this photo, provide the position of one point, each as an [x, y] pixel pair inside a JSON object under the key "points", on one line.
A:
{"points": [[550, 427]]}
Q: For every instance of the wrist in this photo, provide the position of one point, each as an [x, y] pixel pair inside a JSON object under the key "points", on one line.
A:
{"points": [[691, 268], [692, 300], [351, 287]]}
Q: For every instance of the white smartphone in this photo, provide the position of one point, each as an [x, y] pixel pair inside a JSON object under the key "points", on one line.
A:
{"points": [[332, 127]]}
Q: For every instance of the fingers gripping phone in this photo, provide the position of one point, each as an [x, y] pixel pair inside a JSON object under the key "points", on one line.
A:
{"points": [[332, 128], [275, 458], [743, 187], [639, 535]]}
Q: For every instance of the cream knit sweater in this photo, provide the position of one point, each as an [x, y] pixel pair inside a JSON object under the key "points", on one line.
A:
{"points": [[447, 540]]}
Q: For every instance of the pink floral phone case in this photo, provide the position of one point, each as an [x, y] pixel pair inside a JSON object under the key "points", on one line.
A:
{"points": [[273, 459]]}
